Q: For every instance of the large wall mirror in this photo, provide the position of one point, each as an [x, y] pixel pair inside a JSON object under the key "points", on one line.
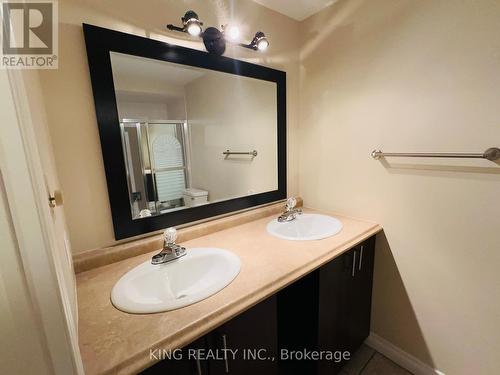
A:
{"points": [[185, 135]]}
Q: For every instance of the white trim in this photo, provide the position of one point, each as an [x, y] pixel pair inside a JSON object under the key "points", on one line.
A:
{"points": [[399, 356]]}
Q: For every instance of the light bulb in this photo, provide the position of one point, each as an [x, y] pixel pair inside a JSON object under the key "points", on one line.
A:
{"points": [[232, 32], [262, 44], [193, 28]]}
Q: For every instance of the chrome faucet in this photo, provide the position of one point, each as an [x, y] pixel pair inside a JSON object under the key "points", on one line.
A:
{"points": [[290, 212], [170, 250]]}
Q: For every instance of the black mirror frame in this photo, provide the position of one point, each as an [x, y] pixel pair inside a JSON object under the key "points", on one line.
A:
{"points": [[100, 42]]}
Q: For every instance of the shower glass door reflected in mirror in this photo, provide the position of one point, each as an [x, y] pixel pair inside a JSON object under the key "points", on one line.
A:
{"points": [[157, 166]]}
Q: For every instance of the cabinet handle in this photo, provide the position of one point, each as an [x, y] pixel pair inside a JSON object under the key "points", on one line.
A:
{"points": [[224, 343], [354, 264], [360, 258], [198, 366]]}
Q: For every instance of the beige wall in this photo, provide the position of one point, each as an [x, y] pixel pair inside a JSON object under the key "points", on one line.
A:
{"points": [[142, 110], [406, 75], [69, 102], [248, 123]]}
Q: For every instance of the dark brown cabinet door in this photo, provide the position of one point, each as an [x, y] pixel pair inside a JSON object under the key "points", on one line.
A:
{"points": [[328, 310], [298, 324], [336, 296], [358, 281], [345, 302], [249, 341], [247, 344], [182, 366]]}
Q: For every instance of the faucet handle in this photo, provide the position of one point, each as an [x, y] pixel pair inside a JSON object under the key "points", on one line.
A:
{"points": [[291, 203], [170, 235]]}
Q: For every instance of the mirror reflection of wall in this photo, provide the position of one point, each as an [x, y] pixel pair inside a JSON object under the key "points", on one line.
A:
{"points": [[176, 121]]}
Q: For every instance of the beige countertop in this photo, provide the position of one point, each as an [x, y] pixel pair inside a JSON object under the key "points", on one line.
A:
{"points": [[114, 342]]}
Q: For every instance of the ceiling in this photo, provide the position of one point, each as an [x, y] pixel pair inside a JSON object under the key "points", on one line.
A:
{"points": [[296, 9]]}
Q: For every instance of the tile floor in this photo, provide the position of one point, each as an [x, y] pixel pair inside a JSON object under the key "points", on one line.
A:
{"points": [[367, 361]]}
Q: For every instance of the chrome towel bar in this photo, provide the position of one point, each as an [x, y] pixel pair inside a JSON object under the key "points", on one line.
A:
{"points": [[492, 154], [252, 153]]}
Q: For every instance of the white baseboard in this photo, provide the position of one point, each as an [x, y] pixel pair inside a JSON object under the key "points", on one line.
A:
{"points": [[399, 356]]}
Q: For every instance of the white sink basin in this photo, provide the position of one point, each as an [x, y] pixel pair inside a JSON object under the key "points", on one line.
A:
{"points": [[150, 288], [305, 227]]}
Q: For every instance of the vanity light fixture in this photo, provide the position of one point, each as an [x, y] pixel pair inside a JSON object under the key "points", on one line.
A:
{"points": [[259, 42], [215, 40], [191, 24]]}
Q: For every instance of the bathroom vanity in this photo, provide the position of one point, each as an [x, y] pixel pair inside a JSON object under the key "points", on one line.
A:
{"points": [[326, 310], [289, 294], [189, 136]]}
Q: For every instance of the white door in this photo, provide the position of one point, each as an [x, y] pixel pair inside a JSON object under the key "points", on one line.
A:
{"points": [[37, 270]]}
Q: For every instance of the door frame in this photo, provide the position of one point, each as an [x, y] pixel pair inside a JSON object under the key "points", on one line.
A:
{"points": [[43, 268]]}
